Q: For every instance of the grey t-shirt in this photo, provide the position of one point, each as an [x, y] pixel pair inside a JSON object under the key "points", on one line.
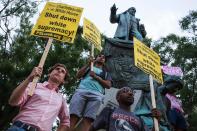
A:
{"points": [[118, 120]]}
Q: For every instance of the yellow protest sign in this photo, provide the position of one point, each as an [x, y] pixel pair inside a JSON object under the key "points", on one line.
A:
{"points": [[147, 60], [58, 21], [91, 33]]}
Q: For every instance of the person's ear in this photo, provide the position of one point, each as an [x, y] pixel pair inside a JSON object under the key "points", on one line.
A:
{"points": [[118, 98]]}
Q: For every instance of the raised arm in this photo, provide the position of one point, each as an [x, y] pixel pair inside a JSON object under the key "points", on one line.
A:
{"points": [[17, 94], [84, 69], [113, 17], [105, 83]]}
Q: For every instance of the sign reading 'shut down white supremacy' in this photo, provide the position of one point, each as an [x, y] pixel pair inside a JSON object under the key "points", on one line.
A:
{"points": [[58, 21]]}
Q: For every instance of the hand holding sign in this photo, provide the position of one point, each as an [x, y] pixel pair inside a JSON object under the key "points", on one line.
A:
{"points": [[41, 64], [57, 21], [93, 35], [36, 72], [149, 62]]}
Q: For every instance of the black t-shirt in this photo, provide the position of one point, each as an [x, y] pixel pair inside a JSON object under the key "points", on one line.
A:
{"points": [[118, 120]]}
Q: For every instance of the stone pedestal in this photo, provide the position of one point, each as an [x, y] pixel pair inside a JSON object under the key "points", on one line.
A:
{"points": [[120, 64]]}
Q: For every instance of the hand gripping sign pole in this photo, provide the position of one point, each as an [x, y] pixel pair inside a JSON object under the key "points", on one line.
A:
{"points": [[91, 69], [51, 15], [92, 35], [143, 55], [156, 125], [152, 91], [41, 64]]}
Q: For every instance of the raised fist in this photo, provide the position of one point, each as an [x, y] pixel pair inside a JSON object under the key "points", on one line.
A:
{"points": [[114, 9]]}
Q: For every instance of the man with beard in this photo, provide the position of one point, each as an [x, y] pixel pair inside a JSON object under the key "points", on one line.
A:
{"points": [[39, 111], [89, 96], [121, 118]]}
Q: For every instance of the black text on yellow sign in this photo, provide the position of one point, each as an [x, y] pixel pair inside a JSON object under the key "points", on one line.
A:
{"points": [[147, 60], [58, 21], [91, 33]]}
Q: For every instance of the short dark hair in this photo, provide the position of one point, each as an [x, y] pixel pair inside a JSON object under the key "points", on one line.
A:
{"points": [[120, 91], [61, 65]]}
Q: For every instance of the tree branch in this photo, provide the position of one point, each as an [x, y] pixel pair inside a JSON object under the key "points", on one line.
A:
{"points": [[6, 5], [14, 10]]}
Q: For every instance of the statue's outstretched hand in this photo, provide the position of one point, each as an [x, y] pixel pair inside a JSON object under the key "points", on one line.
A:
{"points": [[114, 9]]}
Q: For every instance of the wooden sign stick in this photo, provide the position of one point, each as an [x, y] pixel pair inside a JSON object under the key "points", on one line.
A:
{"points": [[92, 54], [156, 125], [41, 64]]}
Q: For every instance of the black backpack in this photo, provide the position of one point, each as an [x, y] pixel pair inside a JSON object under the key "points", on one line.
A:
{"points": [[103, 75]]}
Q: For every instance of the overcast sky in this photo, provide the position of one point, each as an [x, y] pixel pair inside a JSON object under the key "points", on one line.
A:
{"points": [[160, 17]]}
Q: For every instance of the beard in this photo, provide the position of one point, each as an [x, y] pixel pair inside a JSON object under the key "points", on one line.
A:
{"points": [[56, 80], [128, 102]]}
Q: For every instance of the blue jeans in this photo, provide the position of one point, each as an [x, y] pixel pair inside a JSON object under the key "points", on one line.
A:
{"points": [[15, 128]]}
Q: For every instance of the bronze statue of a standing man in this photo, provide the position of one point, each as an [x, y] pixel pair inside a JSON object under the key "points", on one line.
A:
{"points": [[128, 24]]}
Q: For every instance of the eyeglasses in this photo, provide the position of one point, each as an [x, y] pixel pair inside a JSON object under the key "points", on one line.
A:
{"points": [[126, 90]]}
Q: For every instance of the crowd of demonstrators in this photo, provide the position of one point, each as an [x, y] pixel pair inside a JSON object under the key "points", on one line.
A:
{"points": [[90, 93], [38, 112]]}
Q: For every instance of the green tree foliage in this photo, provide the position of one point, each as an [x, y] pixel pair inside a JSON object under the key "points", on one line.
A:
{"points": [[13, 14], [182, 51], [189, 23]]}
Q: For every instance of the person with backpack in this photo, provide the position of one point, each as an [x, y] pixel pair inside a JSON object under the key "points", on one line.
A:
{"points": [[121, 118], [89, 96]]}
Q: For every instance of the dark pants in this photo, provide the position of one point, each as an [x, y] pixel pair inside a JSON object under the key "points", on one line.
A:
{"points": [[177, 119], [15, 128], [20, 126]]}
